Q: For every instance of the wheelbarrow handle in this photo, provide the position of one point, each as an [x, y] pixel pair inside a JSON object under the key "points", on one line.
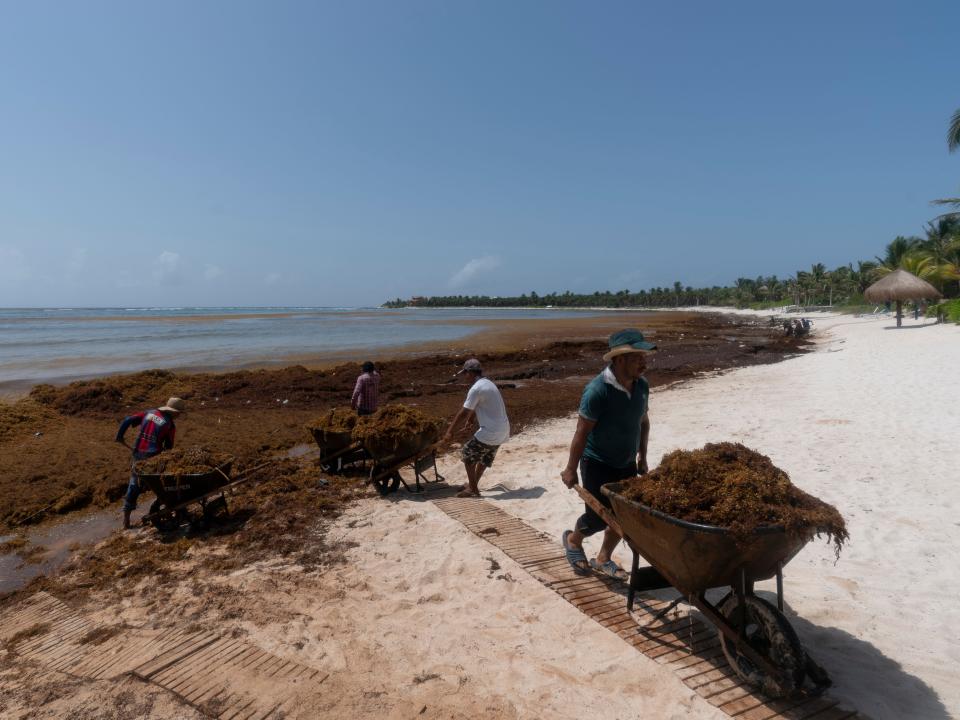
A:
{"points": [[604, 512], [599, 508]]}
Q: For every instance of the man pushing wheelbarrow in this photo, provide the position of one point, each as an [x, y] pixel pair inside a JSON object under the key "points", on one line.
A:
{"points": [[157, 433], [609, 444]]}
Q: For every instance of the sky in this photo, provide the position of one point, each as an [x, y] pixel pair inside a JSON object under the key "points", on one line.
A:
{"points": [[342, 154]]}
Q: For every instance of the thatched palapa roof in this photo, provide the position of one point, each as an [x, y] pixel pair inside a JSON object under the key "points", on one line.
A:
{"points": [[900, 285]]}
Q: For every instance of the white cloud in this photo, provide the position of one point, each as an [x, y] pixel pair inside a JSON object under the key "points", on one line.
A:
{"points": [[272, 279], [166, 268], [212, 272], [472, 269]]}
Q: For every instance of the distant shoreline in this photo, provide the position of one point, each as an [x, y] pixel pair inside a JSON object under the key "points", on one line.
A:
{"points": [[482, 335]]}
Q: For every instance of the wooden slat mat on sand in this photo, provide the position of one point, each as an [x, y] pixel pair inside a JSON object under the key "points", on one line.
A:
{"points": [[687, 645], [221, 676]]}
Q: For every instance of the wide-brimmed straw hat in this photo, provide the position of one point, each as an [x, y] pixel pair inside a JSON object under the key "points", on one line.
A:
{"points": [[174, 405], [627, 341]]}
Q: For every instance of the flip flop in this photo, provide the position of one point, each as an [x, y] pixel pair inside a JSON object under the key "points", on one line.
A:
{"points": [[575, 556], [609, 568], [465, 493]]}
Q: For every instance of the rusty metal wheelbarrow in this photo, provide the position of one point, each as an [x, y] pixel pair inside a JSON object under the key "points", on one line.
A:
{"points": [[337, 450], [757, 639], [176, 492], [418, 451]]}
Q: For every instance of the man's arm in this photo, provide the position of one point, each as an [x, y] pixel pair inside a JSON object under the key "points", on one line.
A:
{"points": [[356, 392], [465, 415], [134, 420], [644, 437], [577, 446]]}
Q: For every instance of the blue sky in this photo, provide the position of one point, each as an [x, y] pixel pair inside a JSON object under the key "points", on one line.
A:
{"points": [[306, 153]]}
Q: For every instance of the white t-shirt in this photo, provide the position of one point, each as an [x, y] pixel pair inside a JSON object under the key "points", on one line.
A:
{"points": [[485, 400]]}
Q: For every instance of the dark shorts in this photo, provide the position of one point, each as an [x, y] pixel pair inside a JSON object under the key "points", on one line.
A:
{"points": [[477, 452], [594, 475]]}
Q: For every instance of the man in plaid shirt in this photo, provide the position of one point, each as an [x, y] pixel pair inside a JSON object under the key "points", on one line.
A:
{"points": [[157, 432], [367, 390]]}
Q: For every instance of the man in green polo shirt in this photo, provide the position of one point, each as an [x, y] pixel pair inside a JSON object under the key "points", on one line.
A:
{"points": [[610, 442]]}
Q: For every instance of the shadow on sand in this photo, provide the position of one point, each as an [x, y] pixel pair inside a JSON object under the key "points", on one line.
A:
{"points": [[863, 676]]}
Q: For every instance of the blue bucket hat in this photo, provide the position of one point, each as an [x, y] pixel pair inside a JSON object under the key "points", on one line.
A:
{"points": [[627, 341]]}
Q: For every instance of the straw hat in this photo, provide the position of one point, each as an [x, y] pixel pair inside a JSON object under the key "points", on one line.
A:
{"points": [[174, 405], [627, 341]]}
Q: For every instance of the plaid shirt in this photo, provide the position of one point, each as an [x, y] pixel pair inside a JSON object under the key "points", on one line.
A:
{"points": [[365, 392], [156, 432]]}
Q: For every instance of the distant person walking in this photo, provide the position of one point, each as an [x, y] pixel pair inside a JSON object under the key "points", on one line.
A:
{"points": [[366, 393], [610, 442], [157, 432], [485, 403]]}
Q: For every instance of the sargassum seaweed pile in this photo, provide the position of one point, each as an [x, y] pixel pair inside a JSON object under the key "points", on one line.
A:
{"points": [[188, 461], [393, 425], [336, 420], [729, 485]]}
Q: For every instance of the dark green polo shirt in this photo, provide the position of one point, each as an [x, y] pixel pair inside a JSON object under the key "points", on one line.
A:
{"points": [[615, 439]]}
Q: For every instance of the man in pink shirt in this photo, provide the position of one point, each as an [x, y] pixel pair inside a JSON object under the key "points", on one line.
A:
{"points": [[366, 393]]}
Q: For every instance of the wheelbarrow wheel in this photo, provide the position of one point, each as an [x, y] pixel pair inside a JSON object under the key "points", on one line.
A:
{"points": [[770, 634], [385, 484]]}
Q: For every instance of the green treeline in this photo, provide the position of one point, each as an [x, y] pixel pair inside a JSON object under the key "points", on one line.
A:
{"points": [[935, 258]]}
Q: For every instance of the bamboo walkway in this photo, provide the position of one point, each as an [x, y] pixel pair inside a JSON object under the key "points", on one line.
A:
{"points": [[687, 645], [220, 676]]}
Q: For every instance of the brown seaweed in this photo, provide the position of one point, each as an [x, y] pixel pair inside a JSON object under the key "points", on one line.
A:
{"points": [[731, 486], [335, 420], [393, 425], [189, 461]]}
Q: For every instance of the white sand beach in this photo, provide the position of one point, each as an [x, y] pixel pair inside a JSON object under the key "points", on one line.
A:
{"points": [[426, 619], [868, 422]]}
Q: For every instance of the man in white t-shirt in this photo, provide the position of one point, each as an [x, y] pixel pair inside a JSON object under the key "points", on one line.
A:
{"points": [[486, 404]]}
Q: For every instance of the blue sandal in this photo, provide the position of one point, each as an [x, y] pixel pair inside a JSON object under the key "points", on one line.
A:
{"points": [[609, 568], [575, 556]]}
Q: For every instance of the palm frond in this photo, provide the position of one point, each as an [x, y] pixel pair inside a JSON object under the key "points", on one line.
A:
{"points": [[953, 132]]}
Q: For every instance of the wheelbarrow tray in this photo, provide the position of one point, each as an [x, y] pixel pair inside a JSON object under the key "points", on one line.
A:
{"points": [[331, 442], [389, 453], [695, 557], [337, 449], [173, 489]]}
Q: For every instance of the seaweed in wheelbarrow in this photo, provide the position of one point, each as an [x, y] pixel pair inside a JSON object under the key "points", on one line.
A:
{"points": [[728, 485], [396, 431], [187, 461], [335, 420]]}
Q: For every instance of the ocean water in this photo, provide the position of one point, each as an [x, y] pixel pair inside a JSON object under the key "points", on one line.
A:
{"points": [[59, 344]]}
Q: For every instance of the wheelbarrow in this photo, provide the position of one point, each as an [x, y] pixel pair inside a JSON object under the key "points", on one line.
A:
{"points": [[418, 451], [176, 492], [757, 639], [337, 450]]}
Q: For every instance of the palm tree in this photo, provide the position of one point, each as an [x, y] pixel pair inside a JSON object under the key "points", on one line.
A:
{"points": [[899, 247], [953, 132], [953, 142]]}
